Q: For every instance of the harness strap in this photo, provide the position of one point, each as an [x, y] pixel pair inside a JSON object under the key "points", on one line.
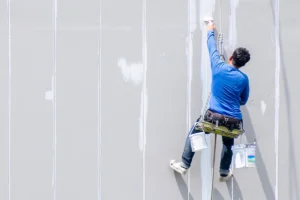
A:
{"points": [[222, 117]]}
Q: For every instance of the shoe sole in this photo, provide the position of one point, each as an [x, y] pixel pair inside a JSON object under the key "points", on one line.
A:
{"points": [[224, 179], [175, 169]]}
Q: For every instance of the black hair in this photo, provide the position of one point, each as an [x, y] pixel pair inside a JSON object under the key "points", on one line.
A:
{"points": [[240, 57]]}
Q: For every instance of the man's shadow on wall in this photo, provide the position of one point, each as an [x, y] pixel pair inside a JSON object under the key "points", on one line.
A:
{"points": [[183, 188], [293, 175], [250, 136], [232, 185], [260, 165]]}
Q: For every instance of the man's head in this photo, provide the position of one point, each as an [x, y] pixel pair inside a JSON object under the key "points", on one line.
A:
{"points": [[239, 57]]}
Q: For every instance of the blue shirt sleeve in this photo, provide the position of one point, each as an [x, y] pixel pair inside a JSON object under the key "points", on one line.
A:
{"points": [[215, 61], [245, 94]]}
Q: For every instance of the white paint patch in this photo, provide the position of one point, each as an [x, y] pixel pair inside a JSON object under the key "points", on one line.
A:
{"points": [[132, 72], [232, 26], [206, 9], [263, 107], [49, 95]]}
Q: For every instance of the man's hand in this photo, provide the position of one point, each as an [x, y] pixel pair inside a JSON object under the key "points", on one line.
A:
{"points": [[210, 26]]}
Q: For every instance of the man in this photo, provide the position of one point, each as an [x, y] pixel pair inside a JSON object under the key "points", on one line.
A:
{"points": [[229, 90]]}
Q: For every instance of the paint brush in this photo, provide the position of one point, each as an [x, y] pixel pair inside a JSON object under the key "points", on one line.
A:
{"points": [[208, 20]]}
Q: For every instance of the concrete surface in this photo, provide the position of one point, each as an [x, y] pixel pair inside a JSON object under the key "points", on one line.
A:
{"points": [[98, 96]]}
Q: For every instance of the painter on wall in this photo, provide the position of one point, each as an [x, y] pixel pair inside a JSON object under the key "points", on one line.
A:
{"points": [[229, 90]]}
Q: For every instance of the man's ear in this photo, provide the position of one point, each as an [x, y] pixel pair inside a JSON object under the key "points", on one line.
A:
{"points": [[230, 58]]}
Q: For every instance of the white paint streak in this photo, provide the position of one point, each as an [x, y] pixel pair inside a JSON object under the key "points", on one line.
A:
{"points": [[232, 41], [49, 95], [206, 9], [189, 53], [277, 89], [143, 119], [9, 97], [232, 187], [99, 109], [232, 25], [220, 15], [192, 25], [54, 98], [263, 107], [144, 94], [132, 72]]}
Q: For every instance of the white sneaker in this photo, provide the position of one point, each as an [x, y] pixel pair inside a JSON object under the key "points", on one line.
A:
{"points": [[177, 166], [226, 178]]}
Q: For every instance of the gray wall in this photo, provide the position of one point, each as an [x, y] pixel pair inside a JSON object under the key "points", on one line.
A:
{"points": [[98, 96]]}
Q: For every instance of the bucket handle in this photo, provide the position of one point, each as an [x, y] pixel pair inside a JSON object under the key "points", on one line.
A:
{"points": [[192, 129]]}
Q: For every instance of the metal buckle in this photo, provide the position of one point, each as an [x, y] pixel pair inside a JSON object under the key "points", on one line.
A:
{"points": [[226, 119]]}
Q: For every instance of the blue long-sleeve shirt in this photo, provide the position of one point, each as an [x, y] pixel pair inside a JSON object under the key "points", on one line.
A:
{"points": [[230, 86]]}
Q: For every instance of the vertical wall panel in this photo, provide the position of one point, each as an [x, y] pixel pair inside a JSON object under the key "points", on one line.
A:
{"points": [[121, 102], [77, 100], [4, 100], [288, 173], [31, 131], [197, 184], [167, 86]]}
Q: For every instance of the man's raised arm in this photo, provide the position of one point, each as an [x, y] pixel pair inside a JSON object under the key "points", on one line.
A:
{"points": [[215, 60]]}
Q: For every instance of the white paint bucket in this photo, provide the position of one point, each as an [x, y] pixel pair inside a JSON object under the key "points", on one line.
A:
{"points": [[243, 155], [198, 141]]}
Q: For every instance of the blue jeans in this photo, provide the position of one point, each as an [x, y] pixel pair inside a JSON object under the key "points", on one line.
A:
{"points": [[226, 155]]}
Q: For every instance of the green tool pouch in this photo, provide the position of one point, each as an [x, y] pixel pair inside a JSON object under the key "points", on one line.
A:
{"points": [[221, 125]]}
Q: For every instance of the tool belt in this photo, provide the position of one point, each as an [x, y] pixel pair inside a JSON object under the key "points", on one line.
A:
{"points": [[221, 120], [221, 125]]}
